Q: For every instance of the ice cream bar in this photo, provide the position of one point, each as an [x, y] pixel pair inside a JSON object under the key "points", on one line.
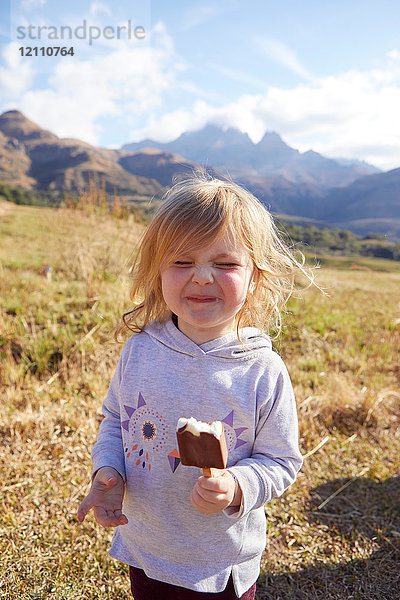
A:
{"points": [[201, 444]]}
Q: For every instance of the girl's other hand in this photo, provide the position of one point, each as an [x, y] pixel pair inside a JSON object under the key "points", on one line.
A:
{"points": [[105, 497], [213, 494]]}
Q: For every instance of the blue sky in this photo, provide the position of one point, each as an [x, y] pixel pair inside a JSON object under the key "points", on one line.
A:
{"points": [[325, 76]]}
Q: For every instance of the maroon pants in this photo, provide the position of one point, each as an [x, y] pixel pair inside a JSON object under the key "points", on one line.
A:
{"points": [[144, 588]]}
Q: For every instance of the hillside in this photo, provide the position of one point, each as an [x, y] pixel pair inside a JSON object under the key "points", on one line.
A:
{"points": [[334, 533], [33, 158], [345, 194], [15, 163], [157, 164], [370, 202], [317, 241], [305, 185]]}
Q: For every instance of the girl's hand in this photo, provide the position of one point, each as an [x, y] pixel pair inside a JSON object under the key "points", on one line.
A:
{"points": [[213, 494], [105, 497]]}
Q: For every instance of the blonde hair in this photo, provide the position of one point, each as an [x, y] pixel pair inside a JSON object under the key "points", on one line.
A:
{"points": [[196, 212]]}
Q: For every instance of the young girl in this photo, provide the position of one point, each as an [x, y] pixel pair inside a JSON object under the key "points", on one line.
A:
{"points": [[210, 275]]}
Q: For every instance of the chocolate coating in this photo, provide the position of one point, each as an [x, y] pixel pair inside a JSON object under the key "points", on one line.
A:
{"points": [[204, 451]]}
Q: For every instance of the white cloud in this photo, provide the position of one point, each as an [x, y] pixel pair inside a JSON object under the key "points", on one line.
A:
{"points": [[238, 76], [172, 124], [16, 73], [129, 80], [393, 54], [198, 92], [100, 7], [282, 54], [202, 13], [353, 115]]}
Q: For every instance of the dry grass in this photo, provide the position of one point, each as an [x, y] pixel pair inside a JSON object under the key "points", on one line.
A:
{"points": [[334, 535]]}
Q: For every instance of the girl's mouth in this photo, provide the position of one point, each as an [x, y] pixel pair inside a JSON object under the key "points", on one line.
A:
{"points": [[202, 299]]}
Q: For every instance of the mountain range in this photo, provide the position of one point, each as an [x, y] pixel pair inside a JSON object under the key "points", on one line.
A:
{"points": [[233, 152], [34, 158], [347, 194]]}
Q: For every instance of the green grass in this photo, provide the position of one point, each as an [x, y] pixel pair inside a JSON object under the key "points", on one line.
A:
{"points": [[357, 263], [57, 357]]}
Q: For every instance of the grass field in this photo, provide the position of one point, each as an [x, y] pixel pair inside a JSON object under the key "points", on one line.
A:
{"points": [[334, 535]]}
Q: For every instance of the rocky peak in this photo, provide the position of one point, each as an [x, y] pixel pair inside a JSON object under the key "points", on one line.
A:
{"points": [[15, 125]]}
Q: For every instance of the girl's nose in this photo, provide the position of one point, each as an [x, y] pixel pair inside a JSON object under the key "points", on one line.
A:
{"points": [[202, 275]]}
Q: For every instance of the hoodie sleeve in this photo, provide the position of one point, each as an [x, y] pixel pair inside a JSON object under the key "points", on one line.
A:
{"points": [[276, 458], [108, 451]]}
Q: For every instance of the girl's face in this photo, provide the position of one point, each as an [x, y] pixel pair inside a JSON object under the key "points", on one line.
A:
{"points": [[207, 287]]}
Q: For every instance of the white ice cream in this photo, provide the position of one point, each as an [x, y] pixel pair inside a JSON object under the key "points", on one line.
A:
{"points": [[196, 427]]}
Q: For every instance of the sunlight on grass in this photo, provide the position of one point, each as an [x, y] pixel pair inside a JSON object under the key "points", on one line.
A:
{"points": [[58, 355]]}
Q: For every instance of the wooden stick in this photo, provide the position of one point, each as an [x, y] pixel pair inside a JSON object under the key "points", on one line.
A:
{"points": [[207, 472]]}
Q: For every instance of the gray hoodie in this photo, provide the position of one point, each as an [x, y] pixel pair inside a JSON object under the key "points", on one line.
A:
{"points": [[161, 376]]}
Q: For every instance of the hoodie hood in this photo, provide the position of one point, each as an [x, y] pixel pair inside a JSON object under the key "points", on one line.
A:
{"points": [[251, 341]]}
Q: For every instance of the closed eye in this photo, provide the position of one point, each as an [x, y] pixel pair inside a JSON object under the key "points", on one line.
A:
{"points": [[220, 265], [226, 265]]}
